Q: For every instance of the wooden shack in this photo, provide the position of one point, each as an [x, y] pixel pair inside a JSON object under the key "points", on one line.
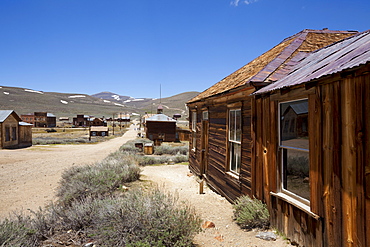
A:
{"points": [[330, 205], [13, 132], [99, 131], [222, 140], [160, 128]]}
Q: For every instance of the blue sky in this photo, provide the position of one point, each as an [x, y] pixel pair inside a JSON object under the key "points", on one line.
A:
{"points": [[133, 47]]}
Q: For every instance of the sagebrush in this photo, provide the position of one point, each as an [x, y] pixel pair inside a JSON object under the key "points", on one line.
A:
{"points": [[251, 213]]}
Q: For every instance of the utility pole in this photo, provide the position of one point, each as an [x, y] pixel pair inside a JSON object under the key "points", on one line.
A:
{"points": [[113, 123]]}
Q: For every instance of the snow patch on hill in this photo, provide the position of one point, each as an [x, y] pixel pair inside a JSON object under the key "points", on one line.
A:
{"points": [[77, 96], [33, 91]]}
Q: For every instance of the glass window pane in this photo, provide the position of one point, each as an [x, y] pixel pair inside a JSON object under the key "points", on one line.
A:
{"points": [[232, 125], [294, 124], [296, 172], [235, 157], [238, 128]]}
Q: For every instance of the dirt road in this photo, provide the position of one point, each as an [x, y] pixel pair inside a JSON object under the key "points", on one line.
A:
{"points": [[30, 176]]}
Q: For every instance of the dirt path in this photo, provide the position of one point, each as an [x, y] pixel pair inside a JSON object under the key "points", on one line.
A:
{"points": [[30, 176], [209, 206]]}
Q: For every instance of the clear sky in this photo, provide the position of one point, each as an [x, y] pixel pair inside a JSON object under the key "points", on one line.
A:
{"points": [[131, 47]]}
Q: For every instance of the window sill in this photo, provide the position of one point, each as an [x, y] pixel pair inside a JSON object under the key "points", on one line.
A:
{"points": [[233, 175], [304, 207]]}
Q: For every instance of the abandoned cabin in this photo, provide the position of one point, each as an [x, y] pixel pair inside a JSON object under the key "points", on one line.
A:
{"points": [[160, 128], [99, 131], [40, 119], [300, 142], [13, 132]]}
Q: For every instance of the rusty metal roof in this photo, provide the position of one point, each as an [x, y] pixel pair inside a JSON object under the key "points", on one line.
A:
{"points": [[346, 54], [270, 66]]}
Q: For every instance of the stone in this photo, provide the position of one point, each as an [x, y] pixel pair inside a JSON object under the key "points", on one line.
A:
{"points": [[208, 224], [268, 236]]}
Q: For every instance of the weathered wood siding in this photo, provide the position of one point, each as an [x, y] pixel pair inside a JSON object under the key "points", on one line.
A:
{"points": [[25, 136], [11, 122], [154, 128], [217, 175], [339, 136]]}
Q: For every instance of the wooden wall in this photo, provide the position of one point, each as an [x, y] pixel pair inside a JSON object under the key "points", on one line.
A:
{"points": [[153, 128], [10, 122], [339, 135], [217, 175]]}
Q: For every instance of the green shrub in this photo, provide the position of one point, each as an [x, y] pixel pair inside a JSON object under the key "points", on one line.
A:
{"points": [[251, 213], [176, 150], [101, 178], [146, 219], [17, 232]]}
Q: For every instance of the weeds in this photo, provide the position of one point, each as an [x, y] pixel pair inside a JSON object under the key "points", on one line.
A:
{"points": [[251, 213]]}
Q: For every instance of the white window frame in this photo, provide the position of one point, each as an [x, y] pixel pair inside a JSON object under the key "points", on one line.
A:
{"points": [[291, 194], [235, 141]]}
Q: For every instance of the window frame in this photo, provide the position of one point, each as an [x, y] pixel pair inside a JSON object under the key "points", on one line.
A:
{"points": [[194, 130], [282, 149], [234, 142]]}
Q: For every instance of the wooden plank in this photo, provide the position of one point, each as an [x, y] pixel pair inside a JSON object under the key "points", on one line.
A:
{"points": [[348, 163], [366, 99], [315, 144], [273, 146], [330, 133], [359, 235]]}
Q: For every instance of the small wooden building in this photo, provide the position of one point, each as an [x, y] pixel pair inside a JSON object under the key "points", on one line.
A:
{"points": [[81, 121], [160, 128], [317, 185], [228, 146], [40, 119], [97, 122], [222, 141], [13, 132], [99, 131]]}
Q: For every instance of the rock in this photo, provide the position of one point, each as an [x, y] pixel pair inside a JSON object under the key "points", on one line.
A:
{"points": [[219, 238], [268, 236], [208, 224]]}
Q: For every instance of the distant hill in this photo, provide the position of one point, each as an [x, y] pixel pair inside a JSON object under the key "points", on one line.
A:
{"points": [[24, 101]]}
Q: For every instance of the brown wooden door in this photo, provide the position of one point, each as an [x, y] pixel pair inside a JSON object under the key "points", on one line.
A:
{"points": [[204, 148]]}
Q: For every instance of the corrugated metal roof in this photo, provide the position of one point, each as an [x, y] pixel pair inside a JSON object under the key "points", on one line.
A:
{"points": [[346, 54], [161, 118], [300, 108], [4, 114], [98, 128], [50, 115], [24, 124], [270, 66]]}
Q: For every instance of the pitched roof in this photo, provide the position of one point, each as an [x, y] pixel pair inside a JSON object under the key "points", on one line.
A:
{"points": [[160, 118], [269, 66], [4, 114], [346, 54]]}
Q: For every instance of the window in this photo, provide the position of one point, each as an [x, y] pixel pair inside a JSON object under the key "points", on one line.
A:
{"points": [[205, 115], [14, 133], [235, 136], [194, 128], [294, 147], [7, 134]]}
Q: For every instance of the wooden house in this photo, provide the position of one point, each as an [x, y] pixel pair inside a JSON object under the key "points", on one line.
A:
{"points": [[99, 131], [13, 132], [317, 186], [81, 121], [97, 122], [40, 119], [222, 130], [160, 128]]}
